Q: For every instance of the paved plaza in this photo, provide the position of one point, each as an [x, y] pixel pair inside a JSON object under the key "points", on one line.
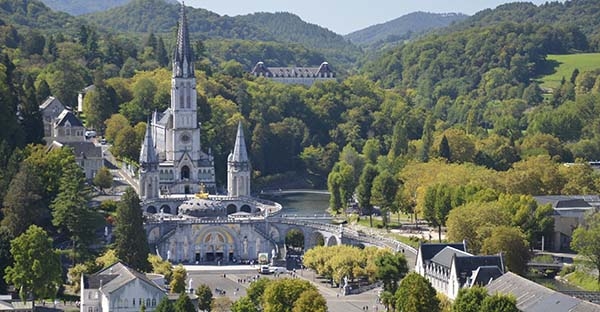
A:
{"points": [[235, 279]]}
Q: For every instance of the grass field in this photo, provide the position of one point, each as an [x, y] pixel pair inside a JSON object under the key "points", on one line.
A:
{"points": [[563, 66]]}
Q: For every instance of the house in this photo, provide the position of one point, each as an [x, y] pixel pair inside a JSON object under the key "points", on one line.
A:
{"points": [[449, 267], [8, 304], [68, 127], [119, 288], [87, 155], [51, 108], [295, 75], [569, 212], [533, 297]]}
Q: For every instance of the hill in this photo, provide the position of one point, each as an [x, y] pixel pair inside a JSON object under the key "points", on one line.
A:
{"points": [[581, 14], [78, 7], [566, 64], [287, 27], [403, 28], [34, 15], [160, 17]]}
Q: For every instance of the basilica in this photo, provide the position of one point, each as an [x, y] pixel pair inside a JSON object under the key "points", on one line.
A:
{"points": [[171, 159]]}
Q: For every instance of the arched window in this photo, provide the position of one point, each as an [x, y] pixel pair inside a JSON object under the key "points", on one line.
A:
{"points": [[185, 172], [153, 302], [148, 302]]}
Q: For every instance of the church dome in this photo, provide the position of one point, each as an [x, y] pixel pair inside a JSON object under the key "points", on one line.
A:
{"points": [[203, 208]]}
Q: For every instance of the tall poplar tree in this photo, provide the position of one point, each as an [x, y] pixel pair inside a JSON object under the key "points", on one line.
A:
{"points": [[131, 243]]}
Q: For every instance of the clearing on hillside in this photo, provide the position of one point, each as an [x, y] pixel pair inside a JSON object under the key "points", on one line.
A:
{"points": [[563, 66]]}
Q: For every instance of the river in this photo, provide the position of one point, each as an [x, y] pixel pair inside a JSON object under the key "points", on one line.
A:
{"points": [[301, 204]]}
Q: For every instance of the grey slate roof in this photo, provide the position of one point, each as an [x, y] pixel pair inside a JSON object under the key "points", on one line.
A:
{"points": [[183, 66], [533, 297], [67, 117], [467, 264], [117, 275], [49, 101], [147, 152], [292, 72], [82, 149], [240, 153], [567, 201], [428, 251], [444, 257], [484, 275]]}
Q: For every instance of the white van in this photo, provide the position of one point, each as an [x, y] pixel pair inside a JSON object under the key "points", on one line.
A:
{"points": [[278, 270]]}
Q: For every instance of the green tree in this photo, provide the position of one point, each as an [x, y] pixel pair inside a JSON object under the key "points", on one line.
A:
{"points": [[256, 290], [5, 256], [205, 297], [244, 304], [294, 239], [365, 185], [390, 269], [29, 113], [469, 299], [384, 194], [165, 305], [70, 211], [131, 243], [178, 278], [438, 203], [103, 179], [23, 203], [499, 303], [126, 144], [281, 295], [114, 125], [511, 242], [371, 150], [415, 294], [585, 241], [184, 304], [333, 186], [310, 301], [444, 149], [36, 269]]}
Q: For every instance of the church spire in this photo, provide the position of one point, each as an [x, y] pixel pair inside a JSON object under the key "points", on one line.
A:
{"points": [[183, 66], [240, 154], [148, 153]]}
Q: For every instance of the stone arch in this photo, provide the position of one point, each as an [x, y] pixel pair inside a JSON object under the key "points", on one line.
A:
{"points": [[331, 241], [231, 208], [317, 239], [165, 208], [185, 173], [214, 245], [274, 234], [246, 208], [151, 209]]}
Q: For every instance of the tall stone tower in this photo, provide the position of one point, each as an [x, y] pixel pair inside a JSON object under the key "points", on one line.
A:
{"points": [[149, 174], [238, 167], [183, 167]]}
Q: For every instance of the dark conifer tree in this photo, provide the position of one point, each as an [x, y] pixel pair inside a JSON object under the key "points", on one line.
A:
{"points": [[131, 243], [445, 149], [29, 113]]}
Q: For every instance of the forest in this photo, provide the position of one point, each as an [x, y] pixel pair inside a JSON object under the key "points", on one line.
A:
{"points": [[456, 111]]}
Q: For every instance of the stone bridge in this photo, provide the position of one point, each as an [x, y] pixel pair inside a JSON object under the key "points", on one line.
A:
{"points": [[238, 239]]}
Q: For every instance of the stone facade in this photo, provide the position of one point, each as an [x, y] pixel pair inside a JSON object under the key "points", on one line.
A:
{"points": [[295, 75], [182, 164]]}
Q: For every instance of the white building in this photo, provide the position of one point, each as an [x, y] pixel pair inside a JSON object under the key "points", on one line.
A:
{"points": [[295, 75], [448, 267], [171, 150], [119, 288]]}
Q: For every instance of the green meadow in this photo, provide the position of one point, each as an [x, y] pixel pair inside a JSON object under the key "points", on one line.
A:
{"points": [[563, 65]]}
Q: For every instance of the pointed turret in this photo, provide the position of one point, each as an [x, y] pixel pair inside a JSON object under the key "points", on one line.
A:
{"points": [[238, 167], [148, 153], [183, 64], [239, 150]]}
